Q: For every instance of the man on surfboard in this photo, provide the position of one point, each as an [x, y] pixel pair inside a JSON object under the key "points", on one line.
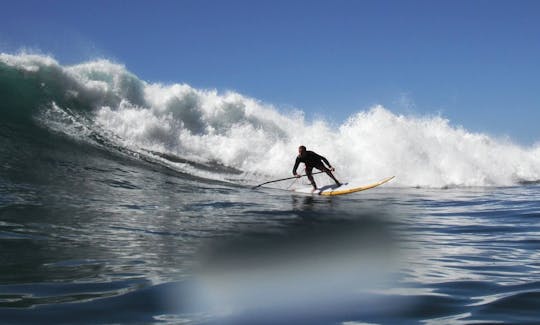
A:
{"points": [[312, 159]]}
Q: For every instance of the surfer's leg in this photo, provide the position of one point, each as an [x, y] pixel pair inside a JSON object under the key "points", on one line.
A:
{"points": [[310, 177], [329, 173], [338, 183]]}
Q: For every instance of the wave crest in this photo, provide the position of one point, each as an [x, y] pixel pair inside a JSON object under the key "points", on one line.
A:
{"points": [[257, 138]]}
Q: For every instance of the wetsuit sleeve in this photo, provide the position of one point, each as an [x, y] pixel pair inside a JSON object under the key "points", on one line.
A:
{"points": [[296, 165]]}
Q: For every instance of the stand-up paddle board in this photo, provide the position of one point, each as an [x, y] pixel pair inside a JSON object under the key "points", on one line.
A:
{"points": [[332, 190]]}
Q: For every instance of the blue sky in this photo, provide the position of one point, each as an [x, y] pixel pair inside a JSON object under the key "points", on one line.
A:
{"points": [[476, 62]]}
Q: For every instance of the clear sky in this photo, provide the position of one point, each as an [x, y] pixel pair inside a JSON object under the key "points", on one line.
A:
{"points": [[476, 62]]}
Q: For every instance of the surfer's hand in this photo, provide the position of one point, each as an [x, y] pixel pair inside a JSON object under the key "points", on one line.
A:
{"points": [[332, 169]]}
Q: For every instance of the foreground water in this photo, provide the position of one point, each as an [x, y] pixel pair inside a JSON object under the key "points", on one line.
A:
{"points": [[117, 240]]}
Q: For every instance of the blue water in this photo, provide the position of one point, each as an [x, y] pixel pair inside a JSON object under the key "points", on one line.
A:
{"points": [[99, 228], [119, 241]]}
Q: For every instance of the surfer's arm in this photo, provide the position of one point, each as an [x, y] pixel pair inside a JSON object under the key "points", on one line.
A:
{"points": [[297, 162], [326, 161]]}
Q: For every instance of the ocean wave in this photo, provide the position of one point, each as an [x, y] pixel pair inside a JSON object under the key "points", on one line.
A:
{"points": [[102, 102]]}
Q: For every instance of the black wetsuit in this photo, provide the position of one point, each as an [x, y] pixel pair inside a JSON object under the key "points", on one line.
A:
{"points": [[311, 159]]}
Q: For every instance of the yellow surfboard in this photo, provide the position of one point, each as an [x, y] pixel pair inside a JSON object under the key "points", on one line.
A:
{"points": [[332, 190]]}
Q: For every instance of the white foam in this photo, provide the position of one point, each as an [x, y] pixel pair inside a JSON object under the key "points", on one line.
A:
{"points": [[259, 139], [241, 132], [27, 62]]}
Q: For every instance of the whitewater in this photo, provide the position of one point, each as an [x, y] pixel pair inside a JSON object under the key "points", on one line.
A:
{"points": [[257, 140], [132, 202]]}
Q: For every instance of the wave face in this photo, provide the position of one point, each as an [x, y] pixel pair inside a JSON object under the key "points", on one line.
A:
{"points": [[230, 136]]}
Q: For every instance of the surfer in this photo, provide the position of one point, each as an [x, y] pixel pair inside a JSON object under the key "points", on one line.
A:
{"points": [[312, 159]]}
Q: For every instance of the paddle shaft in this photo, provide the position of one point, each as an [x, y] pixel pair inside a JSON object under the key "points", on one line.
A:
{"points": [[282, 179]]}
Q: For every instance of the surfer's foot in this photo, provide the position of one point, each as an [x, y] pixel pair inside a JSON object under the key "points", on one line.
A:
{"points": [[338, 183]]}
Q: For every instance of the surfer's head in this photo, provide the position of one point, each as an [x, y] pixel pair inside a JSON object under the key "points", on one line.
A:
{"points": [[301, 149]]}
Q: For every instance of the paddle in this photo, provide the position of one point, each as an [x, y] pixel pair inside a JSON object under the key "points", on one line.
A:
{"points": [[282, 179]]}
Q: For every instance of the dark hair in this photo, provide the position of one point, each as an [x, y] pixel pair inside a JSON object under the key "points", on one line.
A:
{"points": [[302, 147]]}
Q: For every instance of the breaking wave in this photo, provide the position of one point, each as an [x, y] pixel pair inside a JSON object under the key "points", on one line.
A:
{"points": [[228, 136]]}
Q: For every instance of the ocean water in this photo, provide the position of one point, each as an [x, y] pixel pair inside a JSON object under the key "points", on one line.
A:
{"points": [[123, 201]]}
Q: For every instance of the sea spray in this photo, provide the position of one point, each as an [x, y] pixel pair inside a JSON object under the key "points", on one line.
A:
{"points": [[103, 100]]}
